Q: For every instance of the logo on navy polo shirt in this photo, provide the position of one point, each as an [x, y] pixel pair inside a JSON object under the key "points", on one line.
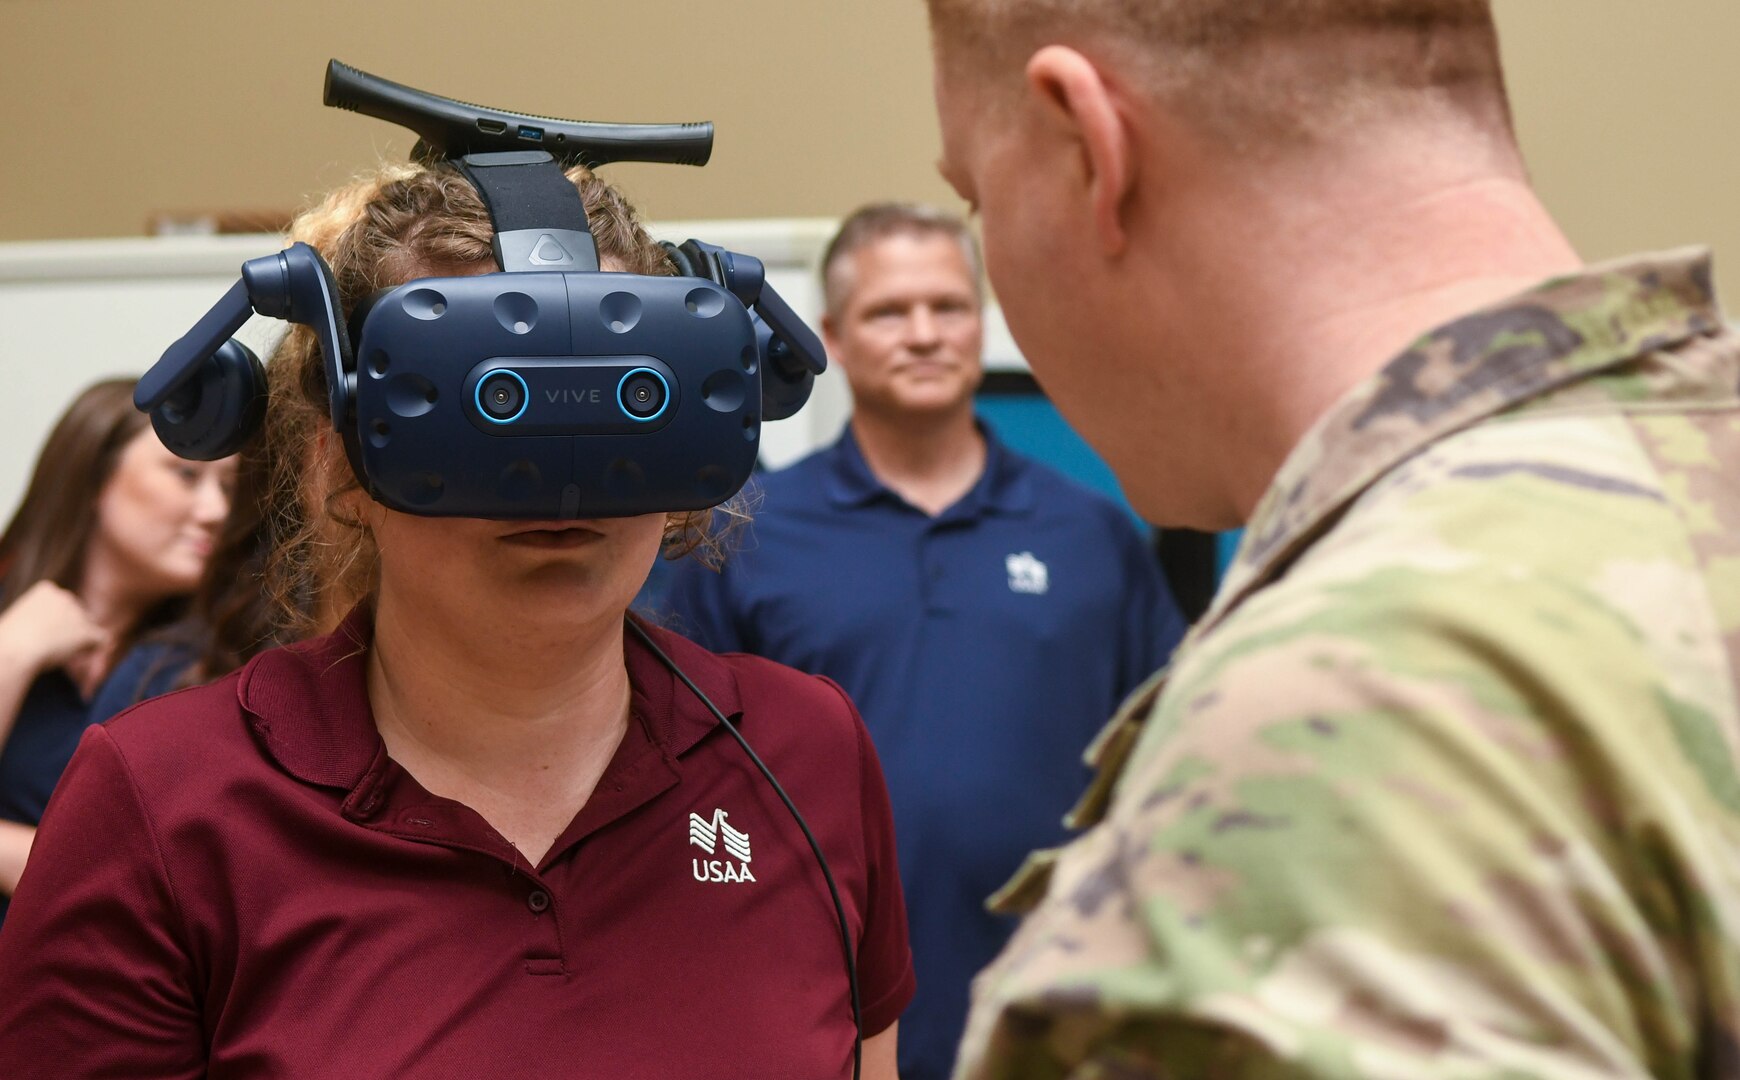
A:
{"points": [[1027, 574], [710, 836]]}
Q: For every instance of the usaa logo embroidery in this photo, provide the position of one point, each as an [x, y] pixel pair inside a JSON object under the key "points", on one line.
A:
{"points": [[709, 836], [1027, 574]]}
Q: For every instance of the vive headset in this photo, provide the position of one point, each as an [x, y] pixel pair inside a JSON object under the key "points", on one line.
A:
{"points": [[548, 390]]}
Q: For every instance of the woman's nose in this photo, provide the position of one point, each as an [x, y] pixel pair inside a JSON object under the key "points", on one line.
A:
{"points": [[211, 503]]}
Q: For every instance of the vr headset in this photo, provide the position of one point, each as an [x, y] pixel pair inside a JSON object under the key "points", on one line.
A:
{"points": [[549, 390]]}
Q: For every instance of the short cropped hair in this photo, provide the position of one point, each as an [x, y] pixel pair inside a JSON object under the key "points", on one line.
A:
{"points": [[876, 222], [1257, 70]]}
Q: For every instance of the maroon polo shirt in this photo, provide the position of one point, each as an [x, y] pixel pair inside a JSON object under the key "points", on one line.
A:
{"points": [[237, 881]]}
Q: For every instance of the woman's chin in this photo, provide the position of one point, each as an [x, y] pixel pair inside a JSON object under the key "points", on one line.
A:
{"points": [[173, 581]]}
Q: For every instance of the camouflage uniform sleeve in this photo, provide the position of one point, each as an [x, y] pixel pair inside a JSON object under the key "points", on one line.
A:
{"points": [[1365, 840]]}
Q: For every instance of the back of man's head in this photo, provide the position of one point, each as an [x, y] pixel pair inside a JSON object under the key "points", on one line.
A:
{"points": [[1263, 74]]}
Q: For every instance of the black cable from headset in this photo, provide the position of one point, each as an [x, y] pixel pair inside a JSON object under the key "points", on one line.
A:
{"points": [[833, 890]]}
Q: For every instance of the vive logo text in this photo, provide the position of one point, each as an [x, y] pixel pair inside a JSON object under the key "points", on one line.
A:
{"points": [[577, 397]]}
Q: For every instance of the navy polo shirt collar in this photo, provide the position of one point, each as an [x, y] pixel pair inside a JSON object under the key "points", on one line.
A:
{"points": [[1005, 486], [308, 705]]}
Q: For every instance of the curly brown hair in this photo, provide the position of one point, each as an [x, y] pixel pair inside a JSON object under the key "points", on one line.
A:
{"points": [[401, 223]]}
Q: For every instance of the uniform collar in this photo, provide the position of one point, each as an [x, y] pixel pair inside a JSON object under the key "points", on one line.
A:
{"points": [[1565, 331], [1004, 486], [308, 705]]}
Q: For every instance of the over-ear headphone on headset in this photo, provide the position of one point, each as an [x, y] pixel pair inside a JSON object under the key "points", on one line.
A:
{"points": [[551, 389], [207, 395]]}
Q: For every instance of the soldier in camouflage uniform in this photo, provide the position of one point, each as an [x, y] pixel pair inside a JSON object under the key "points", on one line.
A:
{"points": [[1444, 786]]}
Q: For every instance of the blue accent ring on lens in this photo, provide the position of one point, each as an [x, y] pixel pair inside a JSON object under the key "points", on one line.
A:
{"points": [[525, 395], [624, 407]]}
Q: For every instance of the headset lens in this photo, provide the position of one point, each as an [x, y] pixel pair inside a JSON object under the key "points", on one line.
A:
{"points": [[643, 395], [502, 396]]}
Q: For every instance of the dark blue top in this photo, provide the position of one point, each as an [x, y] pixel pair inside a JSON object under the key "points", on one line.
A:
{"points": [[52, 718], [985, 648], [148, 670]]}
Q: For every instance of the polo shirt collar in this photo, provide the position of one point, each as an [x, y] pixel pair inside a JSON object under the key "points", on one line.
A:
{"points": [[675, 719], [1005, 486], [307, 704], [850, 482]]}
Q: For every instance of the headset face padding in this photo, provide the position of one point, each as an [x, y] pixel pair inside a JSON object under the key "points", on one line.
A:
{"points": [[215, 413]]}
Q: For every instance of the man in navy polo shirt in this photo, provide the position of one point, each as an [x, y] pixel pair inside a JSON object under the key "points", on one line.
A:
{"points": [[986, 613]]}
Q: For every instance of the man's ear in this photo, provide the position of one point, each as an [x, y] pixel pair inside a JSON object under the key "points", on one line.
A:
{"points": [[1073, 95], [830, 333]]}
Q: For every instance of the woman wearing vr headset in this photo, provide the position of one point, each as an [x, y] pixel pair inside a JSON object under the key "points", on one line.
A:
{"points": [[110, 538], [480, 829]]}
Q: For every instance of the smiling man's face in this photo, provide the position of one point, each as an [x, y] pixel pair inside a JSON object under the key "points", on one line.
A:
{"points": [[908, 332]]}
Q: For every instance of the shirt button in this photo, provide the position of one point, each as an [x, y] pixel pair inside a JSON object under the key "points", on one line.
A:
{"points": [[538, 900]]}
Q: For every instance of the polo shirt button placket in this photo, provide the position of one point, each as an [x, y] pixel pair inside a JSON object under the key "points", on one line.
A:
{"points": [[543, 949], [931, 569]]}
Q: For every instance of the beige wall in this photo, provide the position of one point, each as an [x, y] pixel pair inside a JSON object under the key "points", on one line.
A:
{"points": [[1628, 111], [115, 109], [141, 106]]}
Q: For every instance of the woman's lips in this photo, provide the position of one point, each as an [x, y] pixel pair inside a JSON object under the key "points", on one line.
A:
{"points": [[552, 536]]}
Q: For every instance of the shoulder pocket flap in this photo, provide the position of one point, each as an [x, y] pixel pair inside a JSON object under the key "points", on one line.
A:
{"points": [[1029, 885], [1110, 752]]}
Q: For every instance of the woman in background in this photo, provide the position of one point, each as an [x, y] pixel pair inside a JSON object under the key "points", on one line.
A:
{"points": [[240, 608], [229, 619], [112, 535]]}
